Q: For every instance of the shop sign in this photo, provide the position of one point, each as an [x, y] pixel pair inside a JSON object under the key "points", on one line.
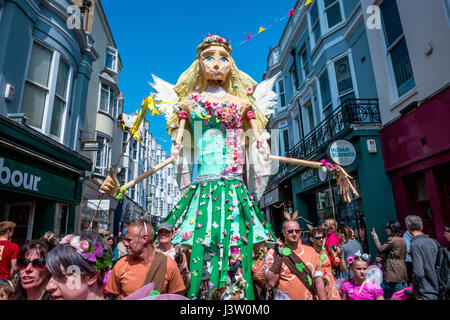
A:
{"points": [[17, 176], [91, 145], [342, 152], [308, 178]]}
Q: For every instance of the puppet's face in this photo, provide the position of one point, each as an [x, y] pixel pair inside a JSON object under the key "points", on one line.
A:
{"points": [[215, 63]]}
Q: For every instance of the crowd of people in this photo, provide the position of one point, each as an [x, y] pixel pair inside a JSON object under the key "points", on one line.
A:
{"points": [[328, 264]]}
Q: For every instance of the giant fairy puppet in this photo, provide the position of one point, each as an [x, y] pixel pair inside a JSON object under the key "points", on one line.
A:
{"points": [[217, 114]]}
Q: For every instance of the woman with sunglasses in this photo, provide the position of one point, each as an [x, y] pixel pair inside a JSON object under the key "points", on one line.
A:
{"points": [[328, 260], [33, 272]]}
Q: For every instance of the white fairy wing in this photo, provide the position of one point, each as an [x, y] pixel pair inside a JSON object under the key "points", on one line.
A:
{"points": [[165, 93], [265, 98]]}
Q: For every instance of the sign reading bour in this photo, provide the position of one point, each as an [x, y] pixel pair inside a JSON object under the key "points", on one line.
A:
{"points": [[342, 152]]}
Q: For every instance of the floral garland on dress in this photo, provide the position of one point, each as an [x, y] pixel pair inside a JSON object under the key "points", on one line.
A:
{"points": [[231, 119]]}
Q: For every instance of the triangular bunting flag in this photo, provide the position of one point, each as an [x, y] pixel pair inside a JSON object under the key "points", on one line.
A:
{"points": [[261, 29], [308, 2], [249, 36], [291, 12]]}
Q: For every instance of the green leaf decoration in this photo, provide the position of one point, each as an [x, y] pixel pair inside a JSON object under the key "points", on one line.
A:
{"points": [[309, 280], [322, 257], [286, 251], [154, 293], [300, 266]]}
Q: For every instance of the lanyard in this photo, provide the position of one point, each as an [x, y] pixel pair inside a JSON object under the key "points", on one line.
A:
{"points": [[360, 289]]}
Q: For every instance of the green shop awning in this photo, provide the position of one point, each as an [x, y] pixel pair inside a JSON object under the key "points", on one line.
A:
{"points": [[34, 164]]}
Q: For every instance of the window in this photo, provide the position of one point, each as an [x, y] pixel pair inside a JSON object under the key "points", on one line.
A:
{"points": [[134, 148], [396, 47], [274, 57], [281, 94], [108, 103], [286, 141], [111, 58], [344, 79], [309, 110], [103, 158], [294, 78], [46, 91], [333, 12], [315, 22], [125, 142], [447, 10], [325, 90], [305, 64]]}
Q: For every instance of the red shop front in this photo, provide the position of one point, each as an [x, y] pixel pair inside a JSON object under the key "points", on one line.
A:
{"points": [[416, 152]]}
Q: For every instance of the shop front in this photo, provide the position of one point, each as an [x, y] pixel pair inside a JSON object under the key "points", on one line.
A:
{"points": [[416, 151], [40, 182], [372, 209], [276, 200]]}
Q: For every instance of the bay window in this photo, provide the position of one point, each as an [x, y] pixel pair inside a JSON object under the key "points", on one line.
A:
{"points": [[305, 63], [103, 157], [111, 58], [315, 22], [281, 93], [108, 102], [325, 92], [344, 79], [333, 12], [46, 91]]}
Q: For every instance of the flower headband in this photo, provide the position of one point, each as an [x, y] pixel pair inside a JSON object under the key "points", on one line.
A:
{"points": [[358, 254], [92, 253], [213, 38]]}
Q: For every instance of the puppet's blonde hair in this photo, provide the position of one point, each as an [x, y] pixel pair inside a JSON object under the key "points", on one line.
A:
{"points": [[237, 84]]}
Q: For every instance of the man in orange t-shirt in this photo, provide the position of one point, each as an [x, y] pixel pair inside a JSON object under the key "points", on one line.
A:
{"points": [[130, 272], [287, 286]]}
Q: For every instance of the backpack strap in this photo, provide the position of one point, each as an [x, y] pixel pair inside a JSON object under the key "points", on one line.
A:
{"points": [[157, 271], [295, 264]]}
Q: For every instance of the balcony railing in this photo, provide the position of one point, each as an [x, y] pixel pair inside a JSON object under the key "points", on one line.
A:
{"points": [[353, 112]]}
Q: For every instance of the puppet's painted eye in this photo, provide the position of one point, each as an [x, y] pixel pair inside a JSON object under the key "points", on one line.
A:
{"points": [[224, 59], [209, 58]]}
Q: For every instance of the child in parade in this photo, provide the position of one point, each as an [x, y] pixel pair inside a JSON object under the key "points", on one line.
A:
{"points": [[360, 288]]}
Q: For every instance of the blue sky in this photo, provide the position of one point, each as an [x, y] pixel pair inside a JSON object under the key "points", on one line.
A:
{"points": [[160, 37]]}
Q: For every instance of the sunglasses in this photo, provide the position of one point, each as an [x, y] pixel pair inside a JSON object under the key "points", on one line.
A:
{"points": [[318, 238], [294, 230], [37, 263]]}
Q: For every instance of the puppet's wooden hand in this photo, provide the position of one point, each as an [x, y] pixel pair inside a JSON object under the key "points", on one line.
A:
{"points": [[111, 184], [343, 180]]}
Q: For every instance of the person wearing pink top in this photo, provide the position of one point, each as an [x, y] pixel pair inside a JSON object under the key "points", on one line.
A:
{"points": [[332, 239], [360, 288]]}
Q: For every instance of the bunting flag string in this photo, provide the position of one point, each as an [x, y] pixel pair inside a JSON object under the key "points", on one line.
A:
{"points": [[275, 21]]}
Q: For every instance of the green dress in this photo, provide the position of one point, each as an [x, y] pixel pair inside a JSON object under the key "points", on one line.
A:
{"points": [[217, 216]]}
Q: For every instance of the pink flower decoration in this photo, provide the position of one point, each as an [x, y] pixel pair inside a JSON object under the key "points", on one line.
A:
{"points": [[186, 235], [350, 259], [89, 256], [98, 250], [83, 246], [249, 90], [67, 239]]}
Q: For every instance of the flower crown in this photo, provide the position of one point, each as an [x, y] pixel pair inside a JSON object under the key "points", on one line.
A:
{"points": [[213, 38], [358, 254], [92, 253]]}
